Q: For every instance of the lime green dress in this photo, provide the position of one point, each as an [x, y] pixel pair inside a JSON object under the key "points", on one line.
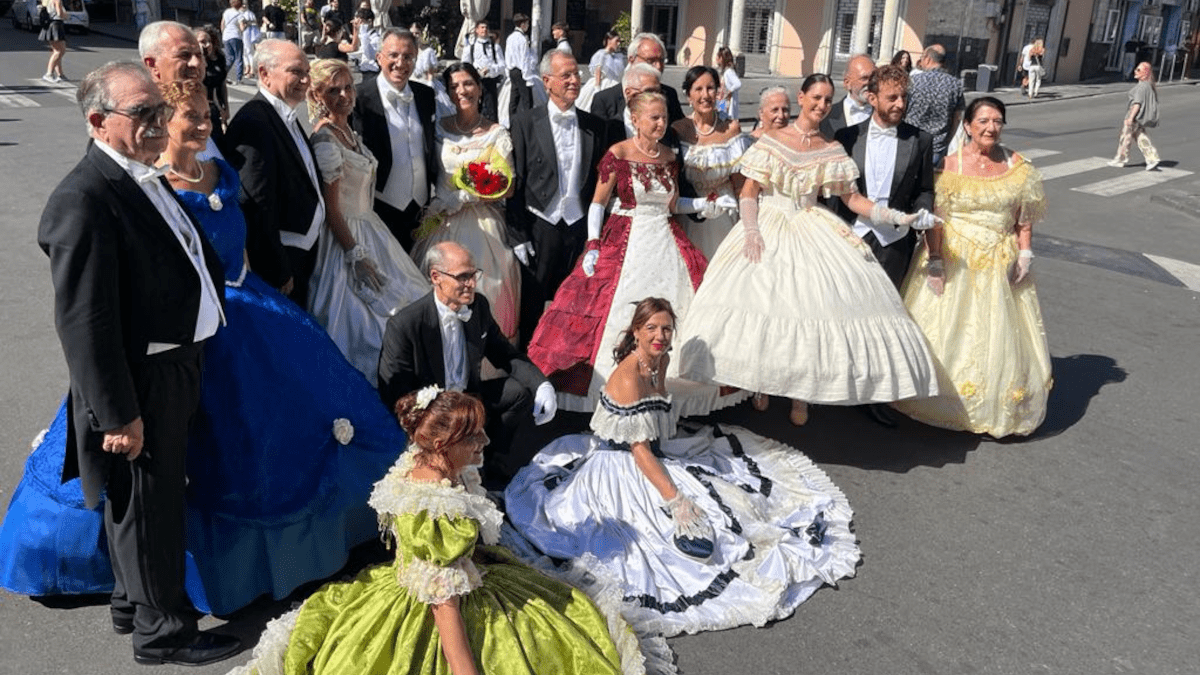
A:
{"points": [[519, 621]]}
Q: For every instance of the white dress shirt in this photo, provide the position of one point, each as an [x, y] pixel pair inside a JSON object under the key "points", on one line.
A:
{"points": [[287, 113], [567, 148], [879, 167], [517, 54], [855, 113], [485, 55], [406, 182], [630, 132], [210, 315], [454, 345]]}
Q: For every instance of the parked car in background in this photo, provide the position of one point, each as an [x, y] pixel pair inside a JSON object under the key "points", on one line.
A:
{"points": [[25, 15]]}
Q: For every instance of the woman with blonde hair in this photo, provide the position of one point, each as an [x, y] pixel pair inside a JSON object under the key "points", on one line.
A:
{"points": [[56, 35], [1141, 113], [362, 276], [1031, 62]]}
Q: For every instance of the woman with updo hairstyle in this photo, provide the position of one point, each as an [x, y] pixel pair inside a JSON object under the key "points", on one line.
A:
{"points": [[794, 303], [774, 111], [469, 218], [452, 600], [640, 250], [362, 275], [664, 519]]}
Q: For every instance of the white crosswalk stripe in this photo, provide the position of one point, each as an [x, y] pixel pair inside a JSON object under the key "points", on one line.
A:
{"points": [[1187, 273], [1136, 179], [1037, 153], [64, 89], [11, 99], [1072, 167]]}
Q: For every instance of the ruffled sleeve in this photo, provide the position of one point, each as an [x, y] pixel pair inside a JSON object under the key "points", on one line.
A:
{"points": [[608, 165], [1033, 197], [503, 144], [643, 421], [434, 558], [771, 163], [757, 162], [328, 153], [838, 176]]}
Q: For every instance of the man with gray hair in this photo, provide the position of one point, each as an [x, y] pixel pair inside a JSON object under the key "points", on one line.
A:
{"points": [[643, 48], [853, 109], [171, 52], [137, 291], [935, 100], [556, 151]]}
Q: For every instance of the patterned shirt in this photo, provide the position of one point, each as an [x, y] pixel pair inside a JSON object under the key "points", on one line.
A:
{"points": [[933, 99]]}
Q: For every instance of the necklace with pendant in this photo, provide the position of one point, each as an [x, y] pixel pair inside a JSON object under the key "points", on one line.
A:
{"points": [[653, 372]]}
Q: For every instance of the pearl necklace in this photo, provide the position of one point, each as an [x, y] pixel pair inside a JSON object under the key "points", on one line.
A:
{"points": [[468, 132], [647, 153], [348, 138], [189, 179], [712, 129]]}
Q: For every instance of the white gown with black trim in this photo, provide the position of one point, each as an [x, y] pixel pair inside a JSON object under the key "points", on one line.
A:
{"points": [[782, 528]]}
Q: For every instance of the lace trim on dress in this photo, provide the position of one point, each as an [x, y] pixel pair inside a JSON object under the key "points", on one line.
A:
{"points": [[642, 421], [433, 584], [1022, 176], [829, 169], [328, 153], [397, 494]]}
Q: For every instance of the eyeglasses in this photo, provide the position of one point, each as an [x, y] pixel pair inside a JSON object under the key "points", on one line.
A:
{"points": [[146, 114], [464, 278]]}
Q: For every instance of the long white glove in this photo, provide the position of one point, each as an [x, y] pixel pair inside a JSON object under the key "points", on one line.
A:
{"points": [[595, 221], [545, 403], [926, 221], [936, 275], [524, 252], [689, 520], [754, 244], [1021, 269], [882, 215], [707, 208], [364, 272]]}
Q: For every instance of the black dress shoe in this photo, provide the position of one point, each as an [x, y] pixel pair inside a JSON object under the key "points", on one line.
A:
{"points": [[879, 414], [122, 625], [205, 648]]}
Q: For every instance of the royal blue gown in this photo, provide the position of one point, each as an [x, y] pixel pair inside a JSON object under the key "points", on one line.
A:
{"points": [[274, 498]]}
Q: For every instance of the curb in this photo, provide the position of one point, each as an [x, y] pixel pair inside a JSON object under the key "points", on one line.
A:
{"points": [[113, 35], [1184, 202]]}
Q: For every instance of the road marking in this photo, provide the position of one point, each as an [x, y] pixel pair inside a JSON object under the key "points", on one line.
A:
{"points": [[11, 99], [1072, 167], [1187, 273], [66, 90], [1131, 181], [1037, 153]]}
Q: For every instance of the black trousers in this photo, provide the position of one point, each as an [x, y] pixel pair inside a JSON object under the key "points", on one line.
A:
{"points": [[400, 222], [491, 94], [522, 94], [556, 248], [303, 262], [509, 406], [144, 512], [895, 257]]}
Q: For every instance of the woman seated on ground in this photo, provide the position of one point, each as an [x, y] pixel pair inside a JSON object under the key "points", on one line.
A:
{"points": [[452, 601]]}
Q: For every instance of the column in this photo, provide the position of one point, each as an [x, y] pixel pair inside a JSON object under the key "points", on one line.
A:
{"points": [[736, 17], [862, 27], [636, 9], [887, 41]]}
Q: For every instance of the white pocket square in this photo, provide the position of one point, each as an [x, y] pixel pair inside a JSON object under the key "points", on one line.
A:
{"points": [[159, 347]]}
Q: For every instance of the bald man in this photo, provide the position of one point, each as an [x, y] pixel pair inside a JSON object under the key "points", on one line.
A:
{"points": [[853, 108]]}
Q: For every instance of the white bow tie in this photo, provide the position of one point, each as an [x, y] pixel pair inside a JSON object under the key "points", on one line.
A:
{"points": [[154, 173], [403, 96], [566, 117], [463, 314], [881, 132], [856, 108]]}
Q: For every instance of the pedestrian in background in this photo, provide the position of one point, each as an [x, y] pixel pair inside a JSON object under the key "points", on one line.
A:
{"points": [[730, 84], [1031, 62], [231, 35], [251, 36], [274, 21], [904, 60], [935, 101], [54, 33], [1142, 113]]}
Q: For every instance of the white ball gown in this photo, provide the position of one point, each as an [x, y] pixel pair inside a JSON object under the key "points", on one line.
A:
{"points": [[710, 168], [817, 318], [782, 528]]}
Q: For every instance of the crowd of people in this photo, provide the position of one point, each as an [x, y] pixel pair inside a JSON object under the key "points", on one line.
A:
{"points": [[280, 339]]}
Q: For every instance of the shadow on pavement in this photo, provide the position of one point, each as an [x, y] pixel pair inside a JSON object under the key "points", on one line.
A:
{"points": [[1077, 380]]}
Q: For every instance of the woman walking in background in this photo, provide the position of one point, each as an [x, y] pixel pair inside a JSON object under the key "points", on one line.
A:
{"points": [[1142, 113], [1031, 62], [731, 84], [56, 35]]}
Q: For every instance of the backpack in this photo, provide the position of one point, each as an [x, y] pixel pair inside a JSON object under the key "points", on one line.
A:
{"points": [[44, 17]]}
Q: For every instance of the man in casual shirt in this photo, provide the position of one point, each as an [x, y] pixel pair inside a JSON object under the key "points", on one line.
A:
{"points": [[935, 101], [137, 291], [481, 51]]}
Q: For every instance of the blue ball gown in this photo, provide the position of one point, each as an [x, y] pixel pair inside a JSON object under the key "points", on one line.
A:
{"points": [[274, 498]]}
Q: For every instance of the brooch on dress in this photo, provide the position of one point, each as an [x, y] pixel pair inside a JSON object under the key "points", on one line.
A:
{"points": [[214, 202]]}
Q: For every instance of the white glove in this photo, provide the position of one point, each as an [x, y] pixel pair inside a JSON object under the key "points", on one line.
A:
{"points": [[726, 203], [754, 244], [689, 520], [545, 403], [589, 262], [936, 276], [595, 220], [882, 215], [364, 271], [926, 221], [1021, 269], [524, 252]]}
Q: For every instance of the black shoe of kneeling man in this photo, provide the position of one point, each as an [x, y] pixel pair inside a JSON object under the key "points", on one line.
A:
{"points": [[201, 650], [879, 414]]}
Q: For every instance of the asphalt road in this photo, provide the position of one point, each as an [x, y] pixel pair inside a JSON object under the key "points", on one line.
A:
{"points": [[1073, 551]]}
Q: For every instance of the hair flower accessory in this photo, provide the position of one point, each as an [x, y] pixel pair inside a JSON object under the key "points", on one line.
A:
{"points": [[426, 396], [343, 431]]}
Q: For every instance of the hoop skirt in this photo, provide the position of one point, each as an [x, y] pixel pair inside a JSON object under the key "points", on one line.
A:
{"points": [[817, 318], [612, 67], [709, 169], [478, 226], [276, 497], [643, 253], [987, 335], [355, 317], [518, 621], [782, 527]]}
